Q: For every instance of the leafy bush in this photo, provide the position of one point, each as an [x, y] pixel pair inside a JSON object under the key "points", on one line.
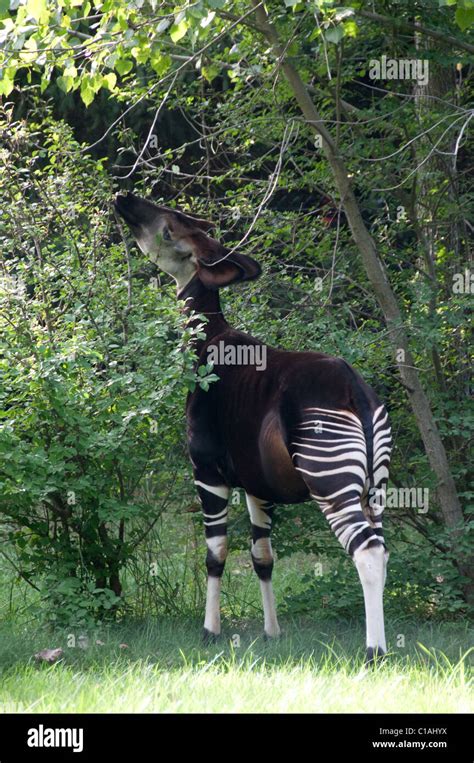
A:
{"points": [[92, 377]]}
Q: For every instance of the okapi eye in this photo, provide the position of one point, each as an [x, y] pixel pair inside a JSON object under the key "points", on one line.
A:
{"points": [[166, 234]]}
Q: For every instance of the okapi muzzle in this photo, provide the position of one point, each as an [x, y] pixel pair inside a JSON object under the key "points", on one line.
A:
{"points": [[305, 426]]}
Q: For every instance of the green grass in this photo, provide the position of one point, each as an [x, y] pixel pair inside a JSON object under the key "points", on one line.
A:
{"points": [[317, 665], [312, 668]]}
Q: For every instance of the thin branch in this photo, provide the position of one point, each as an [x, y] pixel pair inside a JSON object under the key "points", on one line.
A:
{"points": [[17, 569], [415, 27], [274, 177], [415, 170], [150, 131], [153, 87], [408, 143]]}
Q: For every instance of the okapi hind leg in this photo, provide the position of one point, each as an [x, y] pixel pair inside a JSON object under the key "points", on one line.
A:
{"points": [[262, 557], [367, 550], [373, 571], [371, 566], [329, 450], [214, 499]]}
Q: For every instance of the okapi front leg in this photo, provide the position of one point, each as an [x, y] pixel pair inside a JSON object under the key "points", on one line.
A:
{"points": [[262, 558], [214, 498]]}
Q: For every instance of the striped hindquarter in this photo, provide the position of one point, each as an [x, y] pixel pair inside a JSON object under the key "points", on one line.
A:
{"points": [[345, 471], [345, 466]]}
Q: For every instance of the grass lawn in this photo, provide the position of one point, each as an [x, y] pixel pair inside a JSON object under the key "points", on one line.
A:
{"points": [[315, 667]]}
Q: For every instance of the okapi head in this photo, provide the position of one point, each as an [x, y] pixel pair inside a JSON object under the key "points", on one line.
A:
{"points": [[180, 245]]}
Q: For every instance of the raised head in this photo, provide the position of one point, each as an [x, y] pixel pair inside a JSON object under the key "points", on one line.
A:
{"points": [[179, 245]]}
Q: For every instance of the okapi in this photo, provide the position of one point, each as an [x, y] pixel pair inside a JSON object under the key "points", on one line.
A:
{"points": [[306, 426]]}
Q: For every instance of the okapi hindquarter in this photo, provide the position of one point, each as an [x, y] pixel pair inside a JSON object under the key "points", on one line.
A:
{"points": [[299, 425]]}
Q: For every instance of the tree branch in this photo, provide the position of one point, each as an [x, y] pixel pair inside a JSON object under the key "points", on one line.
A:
{"points": [[415, 27]]}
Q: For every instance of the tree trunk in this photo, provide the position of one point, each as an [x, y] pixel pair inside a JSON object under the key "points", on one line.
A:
{"points": [[446, 490]]}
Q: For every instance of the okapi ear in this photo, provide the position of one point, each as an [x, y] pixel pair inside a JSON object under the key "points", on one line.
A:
{"points": [[216, 268]]}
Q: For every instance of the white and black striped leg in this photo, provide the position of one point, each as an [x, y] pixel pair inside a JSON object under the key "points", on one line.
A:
{"points": [[364, 544], [371, 565], [262, 557], [214, 498]]}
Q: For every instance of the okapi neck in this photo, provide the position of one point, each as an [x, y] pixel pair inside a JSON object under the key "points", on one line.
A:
{"points": [[206, 302]]}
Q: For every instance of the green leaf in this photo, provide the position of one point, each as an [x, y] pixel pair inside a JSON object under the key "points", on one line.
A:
{"points": [[464, 18], [65, 83], [6, 86], [110, 80], [210, 72], [335, 34], [38, 9], [140, 53], [160, 63], [350, 28], [87, 95], [124, 65], [92, 82], [70, 71], [178, 31], [29, 51]]}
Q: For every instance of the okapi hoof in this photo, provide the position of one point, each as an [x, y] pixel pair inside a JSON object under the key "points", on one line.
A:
{"points": [[268, 638], [374, 656], [208, 637]]}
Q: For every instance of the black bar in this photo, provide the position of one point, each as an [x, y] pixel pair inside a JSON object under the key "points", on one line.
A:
{"points": [[157, 737]]}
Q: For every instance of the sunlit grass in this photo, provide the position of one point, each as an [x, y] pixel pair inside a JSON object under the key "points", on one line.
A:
{"points": [[164, 668]]}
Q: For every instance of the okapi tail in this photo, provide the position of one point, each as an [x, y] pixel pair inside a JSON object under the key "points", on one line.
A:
{"points": [[364, 411], [377, 433]]}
